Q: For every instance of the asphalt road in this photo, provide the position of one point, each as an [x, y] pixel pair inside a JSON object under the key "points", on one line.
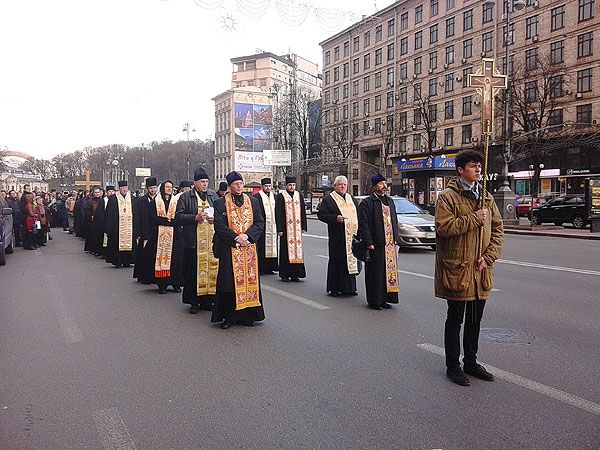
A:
{"points": [[91, 359]]}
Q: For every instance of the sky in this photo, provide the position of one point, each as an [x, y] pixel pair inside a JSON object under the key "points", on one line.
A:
{"points": [[77, 73]]}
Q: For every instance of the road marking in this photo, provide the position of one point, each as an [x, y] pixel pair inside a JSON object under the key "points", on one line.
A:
{"points": [[543, 266], [296, 298], [68, 325], [316, 236], [557, 394], [112, 430]]}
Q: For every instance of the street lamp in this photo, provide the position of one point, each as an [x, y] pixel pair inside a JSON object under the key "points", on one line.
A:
{"points": [[531, 174], [186, 129]]}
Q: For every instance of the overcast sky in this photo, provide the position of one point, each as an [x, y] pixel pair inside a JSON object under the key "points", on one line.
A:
{"points": [[76, 73]]}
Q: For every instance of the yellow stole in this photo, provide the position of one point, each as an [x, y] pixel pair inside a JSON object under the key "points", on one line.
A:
{"points": [[270, 226], [164, 245], [125, 222], [243, 259], [207, 265], [293, 224], [391, 264], [348, 210]]}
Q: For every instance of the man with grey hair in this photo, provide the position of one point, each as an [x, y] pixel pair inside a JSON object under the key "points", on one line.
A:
{"points": [[338, 211]]}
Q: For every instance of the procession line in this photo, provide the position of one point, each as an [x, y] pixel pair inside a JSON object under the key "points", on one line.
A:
{"points": [[68, 324], [112, 430], [293, 297], [557, 394], [543, 266]]}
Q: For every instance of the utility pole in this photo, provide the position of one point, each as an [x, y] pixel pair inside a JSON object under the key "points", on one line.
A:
{"points": [[186, 129]]}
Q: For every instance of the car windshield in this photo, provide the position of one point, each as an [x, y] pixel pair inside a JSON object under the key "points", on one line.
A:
{"points": [[404, 206]]}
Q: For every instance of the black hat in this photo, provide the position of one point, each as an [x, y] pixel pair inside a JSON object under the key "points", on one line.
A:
{"points": [[289, 180], [185, 183], [200, 174], [377, 178], [223, 186], [122, 183], [265, 181], [150, 182], [110, 188], [233, 176]]}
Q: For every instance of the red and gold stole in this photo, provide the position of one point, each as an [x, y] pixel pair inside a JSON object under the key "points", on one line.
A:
{"points": [[125, 222], [164, 244], [348, 210], [243, 259], [293, 224], [391, 264]]}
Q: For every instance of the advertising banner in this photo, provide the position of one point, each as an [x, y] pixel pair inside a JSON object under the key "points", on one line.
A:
{"points": [[277, 157], [253, 135]]}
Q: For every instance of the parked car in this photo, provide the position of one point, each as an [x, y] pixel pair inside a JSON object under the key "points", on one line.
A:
{"points": [[416, 227], [565, 208], [6, 234], [524, 205]]}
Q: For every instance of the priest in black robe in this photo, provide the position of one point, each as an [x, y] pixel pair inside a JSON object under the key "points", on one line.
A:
{"points": [[378, 229], [342, 267], [291, 222], [142, 204], [266, 200], [94, 212], [239, 299], [120, 250]]}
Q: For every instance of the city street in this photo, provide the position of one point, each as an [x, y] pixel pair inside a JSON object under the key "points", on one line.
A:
{"points": [[91, 359]]}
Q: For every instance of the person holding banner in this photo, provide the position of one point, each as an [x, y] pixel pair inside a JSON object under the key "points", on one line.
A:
{"points": [[267, 245], [339, 211], [239, 225]]}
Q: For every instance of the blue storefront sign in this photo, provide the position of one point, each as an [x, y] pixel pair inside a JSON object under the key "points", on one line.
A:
{"points": [[428, 163]]}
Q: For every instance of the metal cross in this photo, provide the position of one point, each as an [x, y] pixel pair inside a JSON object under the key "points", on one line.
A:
{"points": [[488, 81]]}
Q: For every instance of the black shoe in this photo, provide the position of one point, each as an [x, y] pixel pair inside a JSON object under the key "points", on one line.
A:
{"points": [[478, 371], [377, 307], [162, 291], [245, 323], [333, 294], [49, 238], [458, 376], [226, 325], [295, 279], [176, 289], [128, 265], [350, 294], [285, 280], [386, 306], [194, 309]]}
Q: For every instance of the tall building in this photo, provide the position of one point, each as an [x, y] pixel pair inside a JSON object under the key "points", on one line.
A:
{"points": [[246, 121], [396, 99]]}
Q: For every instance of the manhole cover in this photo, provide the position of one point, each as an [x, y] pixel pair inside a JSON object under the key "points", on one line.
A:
{"points": [[501, 336]]}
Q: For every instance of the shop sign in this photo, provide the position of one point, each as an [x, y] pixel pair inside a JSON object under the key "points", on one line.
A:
{"points": [[429, 163]]}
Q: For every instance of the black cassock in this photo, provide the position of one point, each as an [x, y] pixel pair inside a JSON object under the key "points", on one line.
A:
{"points": [[113, 255], [142, 204], [93, 218], [147, 263], [287, 270], [265, 265], [224, 308], [371, 231], [338, 278]]}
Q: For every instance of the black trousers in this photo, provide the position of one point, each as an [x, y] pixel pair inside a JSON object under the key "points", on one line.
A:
{"points": [[472, 312]]}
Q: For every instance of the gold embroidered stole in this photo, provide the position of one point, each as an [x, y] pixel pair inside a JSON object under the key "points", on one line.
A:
{"points": [[268, 202], [207, 265], [243, 259], [125, 222], [105, 236], [391, 264], [293, 225], [348, 210], [164, 244]]}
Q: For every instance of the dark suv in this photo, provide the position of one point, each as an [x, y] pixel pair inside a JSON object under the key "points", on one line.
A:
{"points": [[566, 208]]}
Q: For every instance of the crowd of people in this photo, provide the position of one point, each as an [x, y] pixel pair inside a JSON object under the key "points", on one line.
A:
{"points": [[213, 247]]}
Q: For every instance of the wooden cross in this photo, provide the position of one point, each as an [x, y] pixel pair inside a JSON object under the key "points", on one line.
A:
{"points": [[88, 182], [488, 82]]}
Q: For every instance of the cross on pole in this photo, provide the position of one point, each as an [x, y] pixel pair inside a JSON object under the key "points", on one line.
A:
{"points": [[488, 81]]}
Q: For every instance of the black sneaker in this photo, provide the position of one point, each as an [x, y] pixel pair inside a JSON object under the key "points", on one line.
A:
{"points": [[386, 306], [458, 376], [194, 309], [478, 371]]}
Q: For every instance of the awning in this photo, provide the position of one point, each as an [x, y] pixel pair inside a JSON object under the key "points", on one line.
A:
{"points": [[528, 174]]}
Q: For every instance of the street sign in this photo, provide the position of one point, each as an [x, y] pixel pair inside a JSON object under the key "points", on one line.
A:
{"points": [[277, 157], [143, 172], [85, 183]]}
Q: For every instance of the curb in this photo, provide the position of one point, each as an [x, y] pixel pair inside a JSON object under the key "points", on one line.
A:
{"points": [[551, 234]]}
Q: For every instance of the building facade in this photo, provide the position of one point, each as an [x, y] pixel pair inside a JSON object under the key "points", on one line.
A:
{"points": [[395, 86], [14, 175]]}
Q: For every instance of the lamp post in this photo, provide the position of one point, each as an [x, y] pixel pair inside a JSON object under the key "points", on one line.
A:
{"points": [[186, 129]]}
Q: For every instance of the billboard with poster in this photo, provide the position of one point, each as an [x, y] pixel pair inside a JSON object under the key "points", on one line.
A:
{"points": [[253, 135]]}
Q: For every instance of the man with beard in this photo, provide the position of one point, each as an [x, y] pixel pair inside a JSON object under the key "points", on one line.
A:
{"points": [[142, 204], [238, 227], [378, 229], [290, 217], [185, 186], [94, 219], [195, 212], [109, 191], [267, 244], [338, 211], [121, 228]]}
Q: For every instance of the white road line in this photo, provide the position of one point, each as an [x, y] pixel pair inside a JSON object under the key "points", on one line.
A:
{"points": [[296, 298], [543, 266], [112, 430], [540, 388], [316, 236], [68, 325]]}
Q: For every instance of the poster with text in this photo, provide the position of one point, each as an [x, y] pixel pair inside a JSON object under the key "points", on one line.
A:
{"points": [[253, 134]]}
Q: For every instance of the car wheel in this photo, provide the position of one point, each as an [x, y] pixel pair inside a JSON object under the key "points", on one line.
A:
{"points": [[578, 221], [536, 219], [433, 247], [558, 223]]}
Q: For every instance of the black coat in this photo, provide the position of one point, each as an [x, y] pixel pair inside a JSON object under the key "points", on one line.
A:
{"points": [[370, 221], [185, 215], [336, 231], [142, 204]]}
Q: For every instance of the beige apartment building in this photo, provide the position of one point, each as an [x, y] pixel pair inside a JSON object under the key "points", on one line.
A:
{"points": [[245, 113], [395, 91]]}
